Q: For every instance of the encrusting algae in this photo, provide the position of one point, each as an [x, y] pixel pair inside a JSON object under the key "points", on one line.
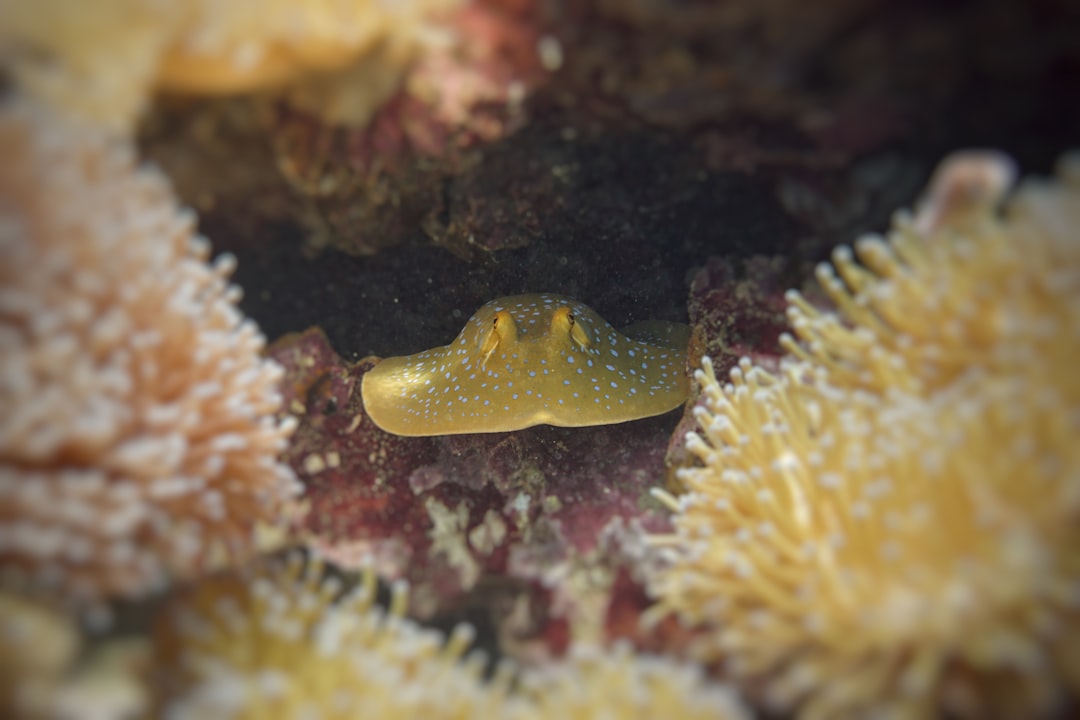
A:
{"points": [[287, 640], [889, 525], [529, 360], [138, 438]]}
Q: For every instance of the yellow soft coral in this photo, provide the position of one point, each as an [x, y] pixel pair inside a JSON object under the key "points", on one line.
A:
{"points": [[103, 59], [595, 682], [37, 645], [890, 523], [289, 643]]}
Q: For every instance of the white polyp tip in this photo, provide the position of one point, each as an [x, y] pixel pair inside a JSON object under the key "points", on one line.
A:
{"points": [[463, 633], [225, 263], [870, 245]]}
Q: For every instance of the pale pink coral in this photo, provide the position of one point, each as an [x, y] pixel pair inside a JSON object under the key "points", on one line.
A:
{"points": [[138, 439]]}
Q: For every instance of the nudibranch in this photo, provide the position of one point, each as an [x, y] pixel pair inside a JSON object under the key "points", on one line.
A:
{"points": [[530, 360]]}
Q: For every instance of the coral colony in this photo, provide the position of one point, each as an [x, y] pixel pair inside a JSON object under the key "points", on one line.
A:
{"points": [[102, 62], [288, 642], [874, 513], [888, 524], [138, 440]]}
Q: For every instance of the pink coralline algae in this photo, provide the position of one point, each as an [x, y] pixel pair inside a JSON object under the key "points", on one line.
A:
{"points": [[735, 312], [346, 463]]}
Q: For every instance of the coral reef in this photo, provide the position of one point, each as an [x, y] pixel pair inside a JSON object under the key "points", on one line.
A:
{"points": [[138, 439], [103, 60], [883, 522], [889, 523]]}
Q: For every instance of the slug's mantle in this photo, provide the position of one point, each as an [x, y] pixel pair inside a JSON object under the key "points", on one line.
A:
{"points": [[530, 360]]}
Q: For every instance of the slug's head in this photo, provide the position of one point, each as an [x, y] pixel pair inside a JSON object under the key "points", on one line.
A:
{"points": [[565, 324], [500, 335]]}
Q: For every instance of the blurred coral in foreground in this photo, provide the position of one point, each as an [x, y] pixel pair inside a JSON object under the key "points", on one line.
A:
{"points": [[47, 671], [103, 59], [37, 645], [138, 438], [289, 643], [595, 682], [890, 524]]}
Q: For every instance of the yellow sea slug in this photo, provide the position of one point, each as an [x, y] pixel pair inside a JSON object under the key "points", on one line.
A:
{"points": [[530, 360]]}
